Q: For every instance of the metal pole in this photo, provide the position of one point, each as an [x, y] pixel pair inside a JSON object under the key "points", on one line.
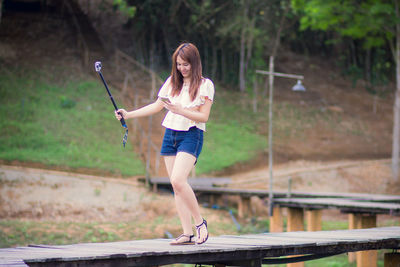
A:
{"points": [[271, 75], [270, 145], [279, 74]]}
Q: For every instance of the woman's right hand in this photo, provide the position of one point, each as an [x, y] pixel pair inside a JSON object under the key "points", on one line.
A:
{"points": [[120, 112]]}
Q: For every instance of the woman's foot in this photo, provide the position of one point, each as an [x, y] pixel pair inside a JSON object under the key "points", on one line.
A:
{"points": [[202, 233], [183, 240]]}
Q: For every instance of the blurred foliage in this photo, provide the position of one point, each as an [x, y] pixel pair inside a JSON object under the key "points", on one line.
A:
{"points": [[359, 33], [125, 8], [364, 32]]}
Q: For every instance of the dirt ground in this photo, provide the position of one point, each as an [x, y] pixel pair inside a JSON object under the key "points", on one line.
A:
{"points": [[38, 194]]}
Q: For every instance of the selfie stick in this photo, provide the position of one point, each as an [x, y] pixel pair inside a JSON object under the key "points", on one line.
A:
{"points": [[97, 67]]}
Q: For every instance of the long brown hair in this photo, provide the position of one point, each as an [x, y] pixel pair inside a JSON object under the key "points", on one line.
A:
{"points": [[189, 53]]}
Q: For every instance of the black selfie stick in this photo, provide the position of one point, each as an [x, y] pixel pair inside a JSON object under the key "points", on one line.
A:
{"points": [[97, 67]]}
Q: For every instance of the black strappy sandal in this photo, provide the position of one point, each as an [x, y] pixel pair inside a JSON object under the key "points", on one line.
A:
{"points": [[188, 242], [198, 231]]}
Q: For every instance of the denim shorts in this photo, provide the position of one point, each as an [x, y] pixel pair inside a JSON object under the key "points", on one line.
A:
{"points": [[190, 141]]}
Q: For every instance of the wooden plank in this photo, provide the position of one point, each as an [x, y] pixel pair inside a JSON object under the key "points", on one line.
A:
{"points": [[217, 249]]}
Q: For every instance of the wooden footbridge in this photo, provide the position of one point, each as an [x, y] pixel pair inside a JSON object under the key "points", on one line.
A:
{"points": [[301, 208], [244, 250], [294, 246]]}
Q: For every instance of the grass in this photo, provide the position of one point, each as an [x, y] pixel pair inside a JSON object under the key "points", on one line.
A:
{"points": [[69, 122], [64, 123], [228, 143]]}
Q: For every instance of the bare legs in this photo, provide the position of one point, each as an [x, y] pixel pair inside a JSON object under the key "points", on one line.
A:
{"points": [[179, 168]]}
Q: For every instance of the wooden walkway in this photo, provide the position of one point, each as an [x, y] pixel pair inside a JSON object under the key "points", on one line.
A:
{"points": [[244, 250], [344, 205], [219, 191], [218, 186], [199, 182]]}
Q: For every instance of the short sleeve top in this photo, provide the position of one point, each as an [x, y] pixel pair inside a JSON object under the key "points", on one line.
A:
{"points": [[178, 122]]}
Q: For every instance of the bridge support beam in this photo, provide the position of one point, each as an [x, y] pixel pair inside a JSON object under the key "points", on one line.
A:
{"points": [[243, 206], [314, 220], [367, 258], [276, 220], [295, 219], [392, 259], [295, 223], [216, 200], [353, 224]]}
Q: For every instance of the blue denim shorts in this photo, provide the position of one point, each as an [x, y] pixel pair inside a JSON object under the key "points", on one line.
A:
{"points": [[190, 141]]}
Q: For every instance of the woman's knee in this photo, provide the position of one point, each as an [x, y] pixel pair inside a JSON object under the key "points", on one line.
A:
{"points": [[178, 185]]}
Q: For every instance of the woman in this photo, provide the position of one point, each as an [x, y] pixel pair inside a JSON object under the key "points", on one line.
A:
{"points": [[188, 97]]}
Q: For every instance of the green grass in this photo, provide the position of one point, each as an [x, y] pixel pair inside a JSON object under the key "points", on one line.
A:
{"points": [[227, 144], [69, 122], [64, 123], [236, 134]]}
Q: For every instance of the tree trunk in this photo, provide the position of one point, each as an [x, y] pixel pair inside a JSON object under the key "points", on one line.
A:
{"points": [[276, 46], [250, 43], [396, 108], [223, 65], [242, 82], [206, 57], [214, 62], [368, 66], [1, 9]]}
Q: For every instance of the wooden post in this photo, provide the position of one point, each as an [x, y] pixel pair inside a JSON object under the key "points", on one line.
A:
{"points": [[392, 259], [243, 206], [367, 258], [314, 220], [295, 223], [295, 219], [216, 199], [212, 200], [276, 221], [353, 224], [155, 188]]}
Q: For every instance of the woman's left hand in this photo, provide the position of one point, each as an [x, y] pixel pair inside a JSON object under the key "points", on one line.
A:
{"points": [[174, 108]]}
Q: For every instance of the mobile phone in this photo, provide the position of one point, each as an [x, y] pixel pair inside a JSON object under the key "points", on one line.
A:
{"points": [[165, 99]]}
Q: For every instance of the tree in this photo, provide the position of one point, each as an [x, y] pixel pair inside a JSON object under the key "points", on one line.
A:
{"points": [[374, 22], [1, 9], [125, 8]]}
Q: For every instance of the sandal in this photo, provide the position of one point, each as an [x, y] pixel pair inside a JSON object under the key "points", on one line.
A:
{"points": [[198, 232], [187, 242]]}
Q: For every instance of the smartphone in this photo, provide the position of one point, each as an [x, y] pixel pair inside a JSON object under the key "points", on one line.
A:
{"points": [[165, 99]]}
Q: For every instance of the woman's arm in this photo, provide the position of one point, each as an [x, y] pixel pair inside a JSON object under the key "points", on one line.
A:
{"points": [[148, 110], [200, 114]]}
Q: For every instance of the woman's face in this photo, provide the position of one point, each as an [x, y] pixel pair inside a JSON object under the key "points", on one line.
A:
{"points": [[184, 67]]}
